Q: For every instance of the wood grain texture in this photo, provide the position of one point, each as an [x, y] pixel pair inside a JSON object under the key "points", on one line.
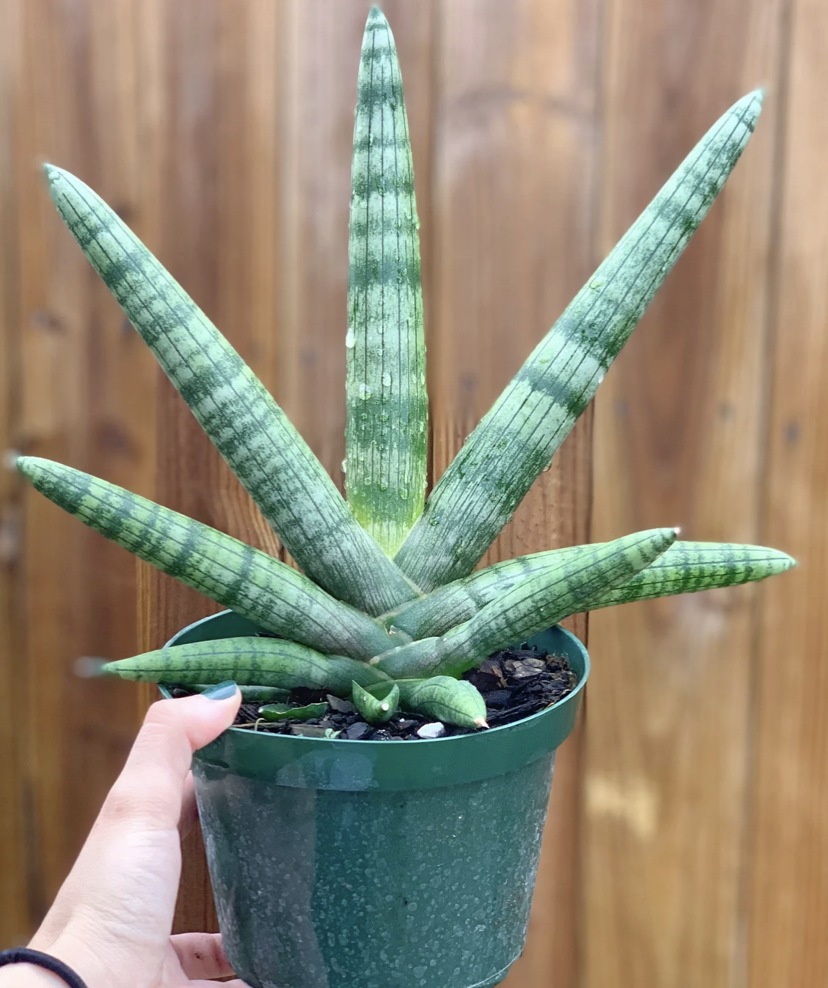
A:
{"points": [[514, 161], [787, 883], [14, 888], [84, 395], [688, 825], [216, 231], [679, 440]]}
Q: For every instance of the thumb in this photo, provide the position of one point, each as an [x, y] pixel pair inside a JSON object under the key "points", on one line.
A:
{"points": [[150, 789], [116, 872]]}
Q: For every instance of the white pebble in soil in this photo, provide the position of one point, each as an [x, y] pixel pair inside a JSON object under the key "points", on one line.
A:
{"points": [[435, 730]]}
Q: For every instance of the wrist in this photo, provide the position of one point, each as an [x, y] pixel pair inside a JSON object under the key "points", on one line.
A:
{"points": [[32, 967], [28, 976], [70, 951]]}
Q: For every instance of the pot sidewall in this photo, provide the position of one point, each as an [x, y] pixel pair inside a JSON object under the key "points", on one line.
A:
{"points": [[378, 864]]}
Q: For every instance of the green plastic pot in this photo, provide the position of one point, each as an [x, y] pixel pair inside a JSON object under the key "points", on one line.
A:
{"points": [[377, 864]]}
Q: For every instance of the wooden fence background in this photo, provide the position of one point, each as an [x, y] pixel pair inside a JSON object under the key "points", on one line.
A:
{"points": [[689, 842]]}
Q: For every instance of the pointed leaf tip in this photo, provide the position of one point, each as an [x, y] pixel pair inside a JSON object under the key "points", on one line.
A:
{"points": [[386, 433], [25, 464], [750, 107], [252, 433], [481, 488]]}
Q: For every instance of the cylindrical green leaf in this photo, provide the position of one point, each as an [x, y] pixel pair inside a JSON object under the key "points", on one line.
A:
{"points": [[378, 706], [250, 582], [416, 660], [386, 432], [275, 712], [529, 607], [547, 598], [516, 440], [456, 602], [404, 686], [452, 701], [244, 423], [248, 661], [686, 567]]}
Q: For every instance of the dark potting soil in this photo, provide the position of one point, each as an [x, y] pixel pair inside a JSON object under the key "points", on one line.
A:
{"points": [[515, 683]]}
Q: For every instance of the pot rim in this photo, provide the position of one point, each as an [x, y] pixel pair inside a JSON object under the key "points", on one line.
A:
{"points": [[572, 697]]}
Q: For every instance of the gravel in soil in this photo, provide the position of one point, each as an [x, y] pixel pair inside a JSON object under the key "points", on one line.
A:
{"points": [[515, 683]]}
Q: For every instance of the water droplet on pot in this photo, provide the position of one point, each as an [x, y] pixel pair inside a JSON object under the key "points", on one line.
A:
{"points": [[386, 380], [364, 391], [350, 340]]}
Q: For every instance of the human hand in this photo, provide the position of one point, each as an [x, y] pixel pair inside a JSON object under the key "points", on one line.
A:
{"points": [[112, 918]]}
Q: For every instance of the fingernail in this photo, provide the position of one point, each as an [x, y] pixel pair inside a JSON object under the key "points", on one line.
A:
{"points": [[222, 691]]}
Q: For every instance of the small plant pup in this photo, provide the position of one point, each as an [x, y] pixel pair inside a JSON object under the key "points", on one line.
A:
{"points": [[386, 612]]}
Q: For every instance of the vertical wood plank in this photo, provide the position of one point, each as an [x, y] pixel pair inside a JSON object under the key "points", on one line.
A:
{"points": [[514, 160], [788, 880], [679, 440], [217, 233], [83, 381], [14, 890]]}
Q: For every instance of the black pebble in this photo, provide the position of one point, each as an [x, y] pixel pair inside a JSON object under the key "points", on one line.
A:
{"points": [[497, 698], [358, 732]]}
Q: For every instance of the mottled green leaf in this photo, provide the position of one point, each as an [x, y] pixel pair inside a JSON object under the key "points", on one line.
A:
{"points": [[275, 712], [530, 606], [404, 686], [379, 705], [452, 701], [250, 582], [245, 424], [386, 431], [247, 661], [686, 567], [516, 440]]}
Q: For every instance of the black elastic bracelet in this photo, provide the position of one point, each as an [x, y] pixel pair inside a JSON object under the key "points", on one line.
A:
{"points": [[24, 955]]}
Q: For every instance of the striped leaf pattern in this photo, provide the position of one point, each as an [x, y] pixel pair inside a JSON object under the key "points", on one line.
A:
{"points": [[452, 701], [379, 706], [248, 581], [516, 440], [259, 661], [686, 567], [529, 607], [386, 431], [245, 424]]}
